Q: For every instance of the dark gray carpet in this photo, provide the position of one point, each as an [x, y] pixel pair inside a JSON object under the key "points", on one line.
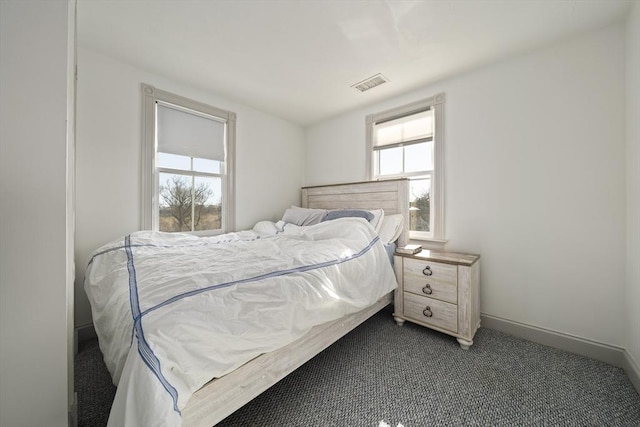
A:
{"points": [[418, 377]]}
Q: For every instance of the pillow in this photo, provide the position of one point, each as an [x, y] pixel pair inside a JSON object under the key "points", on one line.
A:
{"points": [[378, 217], [345, 213], [265, 227], [303, 216], [391, 228]]}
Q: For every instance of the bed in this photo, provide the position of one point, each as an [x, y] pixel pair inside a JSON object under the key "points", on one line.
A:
{"points": [[168, 380]]}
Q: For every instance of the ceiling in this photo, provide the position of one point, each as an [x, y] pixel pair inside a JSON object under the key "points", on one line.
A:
{"points": [[297, 59]]}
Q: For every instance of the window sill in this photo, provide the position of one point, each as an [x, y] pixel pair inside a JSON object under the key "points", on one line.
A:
{"points": [[435, 244]]}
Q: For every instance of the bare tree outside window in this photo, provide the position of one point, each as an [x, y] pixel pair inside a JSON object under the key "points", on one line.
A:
{"points": [[183, 206], [420, 212]]}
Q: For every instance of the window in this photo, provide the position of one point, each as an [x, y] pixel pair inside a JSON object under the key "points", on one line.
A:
{"points": [[407, 142], [187, 165]]}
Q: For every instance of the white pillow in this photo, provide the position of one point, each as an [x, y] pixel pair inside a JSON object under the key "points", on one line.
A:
{"points": [[265, 227], [391, 228]]}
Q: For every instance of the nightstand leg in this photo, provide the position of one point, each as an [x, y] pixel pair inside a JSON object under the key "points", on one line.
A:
{"points": [[464, 344], [398, 320]]}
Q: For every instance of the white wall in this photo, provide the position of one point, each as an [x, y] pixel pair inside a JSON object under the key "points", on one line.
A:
{"points": [[535, 180], [633, 185], [269, 170], [34, 355]]}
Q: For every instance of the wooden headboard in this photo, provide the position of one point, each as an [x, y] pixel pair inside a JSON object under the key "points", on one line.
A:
{"points": [[392, 196]]}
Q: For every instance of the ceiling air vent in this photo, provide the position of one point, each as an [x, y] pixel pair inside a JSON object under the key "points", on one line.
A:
{"points": [[371, 82]]}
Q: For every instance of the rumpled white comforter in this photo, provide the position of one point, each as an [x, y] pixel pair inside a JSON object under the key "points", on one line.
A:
{"points": [[173, 311]]}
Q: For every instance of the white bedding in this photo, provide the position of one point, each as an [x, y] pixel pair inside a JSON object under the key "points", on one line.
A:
{"points": [[173, 311]]}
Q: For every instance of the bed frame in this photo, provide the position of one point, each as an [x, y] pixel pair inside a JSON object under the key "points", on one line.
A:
{"points": [[223, 396]]}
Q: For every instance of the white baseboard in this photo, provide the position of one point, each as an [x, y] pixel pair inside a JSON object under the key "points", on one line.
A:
{"points": [[613, 355]]}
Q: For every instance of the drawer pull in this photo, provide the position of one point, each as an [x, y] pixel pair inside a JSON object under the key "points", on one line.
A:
{"points": [[427, 271], [427, 289], [427, 312]]}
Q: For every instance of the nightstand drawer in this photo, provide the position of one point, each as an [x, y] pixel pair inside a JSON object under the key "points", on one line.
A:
{"points": [[431, 311], [425, 286], [431, 279]]}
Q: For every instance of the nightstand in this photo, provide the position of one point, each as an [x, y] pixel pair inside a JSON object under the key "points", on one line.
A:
{"points": [[439, 290]]}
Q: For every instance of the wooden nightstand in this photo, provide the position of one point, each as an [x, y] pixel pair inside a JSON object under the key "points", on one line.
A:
{"points": [[439, 290]]}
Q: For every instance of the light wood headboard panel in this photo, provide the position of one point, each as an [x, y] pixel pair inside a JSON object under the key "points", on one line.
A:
{"points": [[391, 195]]}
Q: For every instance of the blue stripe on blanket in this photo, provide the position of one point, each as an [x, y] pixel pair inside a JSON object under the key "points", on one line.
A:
{"points": [[148, 357], [151, 245], [145, 351], [263, 276]]}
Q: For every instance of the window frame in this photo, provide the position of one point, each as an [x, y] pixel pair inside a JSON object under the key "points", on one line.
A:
{"points": [[150, 171], [436, 102]]}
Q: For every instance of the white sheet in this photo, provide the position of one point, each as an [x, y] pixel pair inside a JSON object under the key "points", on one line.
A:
{"points": [[173, 311]]}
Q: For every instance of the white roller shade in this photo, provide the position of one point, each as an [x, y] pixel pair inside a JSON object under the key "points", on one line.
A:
{"points": [[189, 134], [413, 128]]}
